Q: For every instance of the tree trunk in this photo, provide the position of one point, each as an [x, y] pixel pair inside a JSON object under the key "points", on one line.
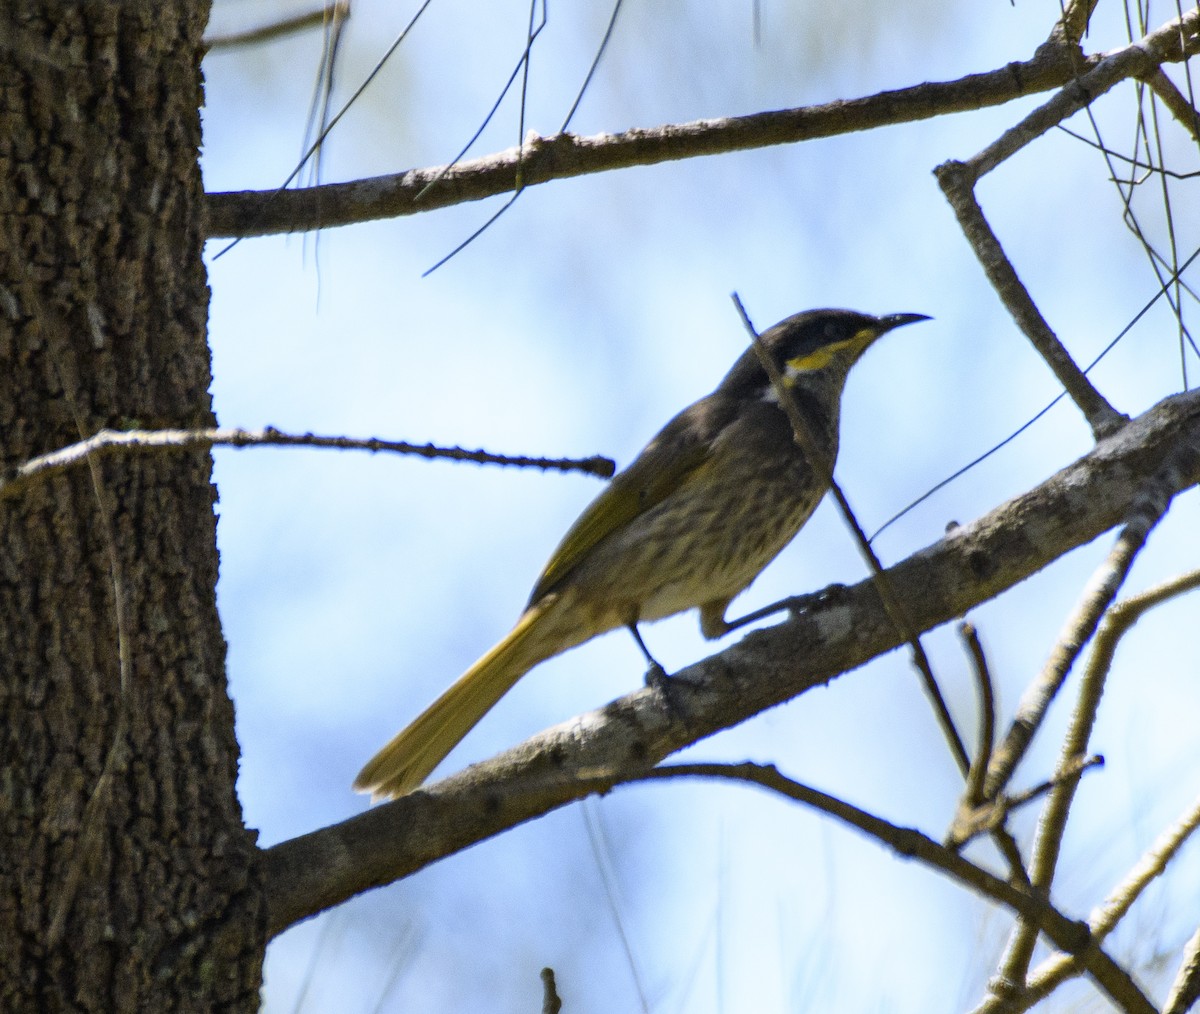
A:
{"points": [[127, 879]]}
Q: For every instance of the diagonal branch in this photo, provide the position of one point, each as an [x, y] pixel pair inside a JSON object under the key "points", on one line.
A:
{"points": [[1150, 506], [1174, 40], [1147, 509], [957, 184], [842, 629], [1059, 967], [905, 841]]}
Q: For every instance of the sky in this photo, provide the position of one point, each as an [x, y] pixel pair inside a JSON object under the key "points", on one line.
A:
{"points": [[355, 587]]}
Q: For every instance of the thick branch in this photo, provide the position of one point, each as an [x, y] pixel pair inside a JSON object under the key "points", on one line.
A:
{"points": [[562, 156], [840, 630]]}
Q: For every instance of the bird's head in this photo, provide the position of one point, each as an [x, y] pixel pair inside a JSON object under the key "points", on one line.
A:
{"points": [[818, 339], [819, 344]]}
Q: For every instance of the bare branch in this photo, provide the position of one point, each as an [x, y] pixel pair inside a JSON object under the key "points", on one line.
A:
{"points": [[906, 842], [1185, 990], [564, 155], [339, 10], [958, 179], [989, 816], [1173, 41], [1060, 967], [1153, 498], [957, 183], [1117, 621], [973, 793], [1175, 101], [842, 629], [910, 843], [133, 441]]}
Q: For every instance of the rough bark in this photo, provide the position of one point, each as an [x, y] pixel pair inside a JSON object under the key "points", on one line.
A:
{"points": [[128, 881]]}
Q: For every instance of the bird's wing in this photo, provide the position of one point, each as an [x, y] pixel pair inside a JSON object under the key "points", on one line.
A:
{"points": [[667, 462]]}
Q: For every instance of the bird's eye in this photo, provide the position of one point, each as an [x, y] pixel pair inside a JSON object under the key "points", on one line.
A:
{"points": [[831, 331]]}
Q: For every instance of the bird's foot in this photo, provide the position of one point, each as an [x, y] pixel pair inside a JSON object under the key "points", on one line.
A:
{"points": [[657, 677]]}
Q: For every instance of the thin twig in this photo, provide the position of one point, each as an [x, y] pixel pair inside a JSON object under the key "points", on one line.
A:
{"points": [[1185, 990], [340, 9], [990, 816], [973, 793], [123, 441], [1058, 968], [823, 467], [910, 843], [1117, 620]]}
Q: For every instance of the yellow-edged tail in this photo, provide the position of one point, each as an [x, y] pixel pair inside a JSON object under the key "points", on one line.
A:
{"points": [[415, 751]]}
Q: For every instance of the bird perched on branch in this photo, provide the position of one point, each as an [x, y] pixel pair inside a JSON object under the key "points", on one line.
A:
{"points": [[702, 510]]}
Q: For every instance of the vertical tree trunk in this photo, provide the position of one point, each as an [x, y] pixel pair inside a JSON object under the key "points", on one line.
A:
{"points": [[127, 879]]}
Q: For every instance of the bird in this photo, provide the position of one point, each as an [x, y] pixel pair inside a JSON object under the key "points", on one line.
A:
{"points": [[690, 523]]}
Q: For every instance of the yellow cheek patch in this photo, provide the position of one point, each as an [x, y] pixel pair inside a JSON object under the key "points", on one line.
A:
{"points": [[824, 355]]}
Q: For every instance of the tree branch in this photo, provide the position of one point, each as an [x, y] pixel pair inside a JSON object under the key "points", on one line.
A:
{"points": [[1153, 498], [1103, 920], [1068, 935], [842, 629], [957, 182], [282, 28], [130, 441], [564, 155], [1173, 40]]}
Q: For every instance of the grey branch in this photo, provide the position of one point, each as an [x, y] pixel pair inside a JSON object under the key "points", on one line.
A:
{"points": [[134, 441], [1057, 968], [1071, 937], [1174, 40], [563, 156], [1185, 990], [840, 630], [957, 183], [1147, 509], [316, 18]]}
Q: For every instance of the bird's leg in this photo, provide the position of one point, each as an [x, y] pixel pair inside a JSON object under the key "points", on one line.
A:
{"points": [[656, 675], [712, 615]]}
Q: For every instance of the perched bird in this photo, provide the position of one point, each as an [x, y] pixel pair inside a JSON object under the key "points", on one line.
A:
{"points": [[702, 510]]}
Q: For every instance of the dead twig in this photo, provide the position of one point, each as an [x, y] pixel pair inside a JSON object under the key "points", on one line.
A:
{"points": [[141, 441]]}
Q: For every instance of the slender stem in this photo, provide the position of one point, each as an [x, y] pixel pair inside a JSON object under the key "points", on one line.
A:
{"points": [[821, 464]]}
